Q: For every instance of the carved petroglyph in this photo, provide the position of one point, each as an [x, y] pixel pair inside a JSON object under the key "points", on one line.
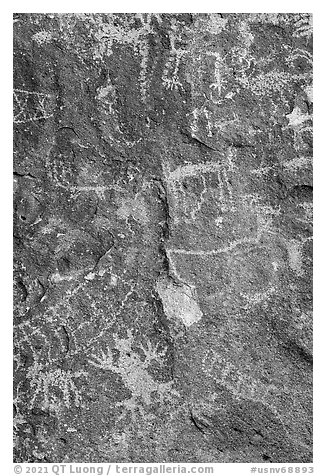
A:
{"points": [[244, 386], [252, 270], [54, 389], [174, 179], [124, 32], [218, 251], [246, 253], [297, 163], [240, 384], [42, 37], [246, 33], [133, 371], [219, 81], [202, 118], [299, 53], [211, 81], [170, 76], [303, 26], [253, 267], [215, 24], [32, 106], [197, 208], [300, 123], [135, 207], [309, 92], [190, 170], [190, 202], [107, 95], [226, 193]]}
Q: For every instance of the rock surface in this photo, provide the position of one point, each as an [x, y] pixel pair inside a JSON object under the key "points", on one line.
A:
{"points": [[163, 263]]}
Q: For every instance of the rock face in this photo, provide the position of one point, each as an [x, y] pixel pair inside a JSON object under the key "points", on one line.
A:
{"points": [[163, 202]]}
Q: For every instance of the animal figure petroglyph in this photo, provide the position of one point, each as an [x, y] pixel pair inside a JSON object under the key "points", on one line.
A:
{"points": [[134, 373]]}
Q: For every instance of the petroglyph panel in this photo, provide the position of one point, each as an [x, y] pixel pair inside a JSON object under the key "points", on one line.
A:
{"points": [[163, 237]]}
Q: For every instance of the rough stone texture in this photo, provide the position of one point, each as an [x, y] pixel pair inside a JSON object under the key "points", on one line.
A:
{"points": [[163, 198]]}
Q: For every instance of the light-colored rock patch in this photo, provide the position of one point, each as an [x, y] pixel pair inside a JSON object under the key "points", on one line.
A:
{"points": [[179, 301]]}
